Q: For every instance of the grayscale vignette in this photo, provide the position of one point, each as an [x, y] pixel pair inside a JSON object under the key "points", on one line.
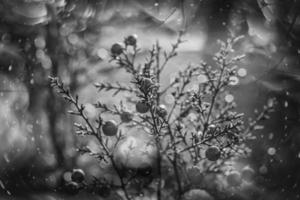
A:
{"points": [[149, 100]]}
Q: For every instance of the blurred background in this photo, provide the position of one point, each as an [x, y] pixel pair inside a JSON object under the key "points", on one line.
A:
{"points": [[72, 39]]}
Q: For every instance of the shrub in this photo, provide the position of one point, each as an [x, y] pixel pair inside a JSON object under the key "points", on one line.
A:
{"points": [[167, 140]]}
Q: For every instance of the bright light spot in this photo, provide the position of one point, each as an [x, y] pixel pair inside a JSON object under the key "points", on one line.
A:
{"points": [[242, 72], [67, 176], [229, 98], [156, 4], [286, 104], [29, 128], [202, 78], [271, 136], [271, 151], [39, 42], [233, 80]]}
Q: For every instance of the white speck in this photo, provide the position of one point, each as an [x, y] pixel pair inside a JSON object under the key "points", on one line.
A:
{"points": [[5, 156], [10, 68], [156, 4], [242, 72], [286, 104], [271, 136], [233, 80], [39, 42], [229, 98], [29, 128], [271, 151]]}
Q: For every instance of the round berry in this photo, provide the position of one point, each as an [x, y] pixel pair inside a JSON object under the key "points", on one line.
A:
{"points": [[213, 153], [126, 116], [131, 40], [78, 175], [248, 174], [197, 194], [110, 128], [72, 187], [116, 49], [146, 85], [162, 110], [234, 179], [141, 107]]}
